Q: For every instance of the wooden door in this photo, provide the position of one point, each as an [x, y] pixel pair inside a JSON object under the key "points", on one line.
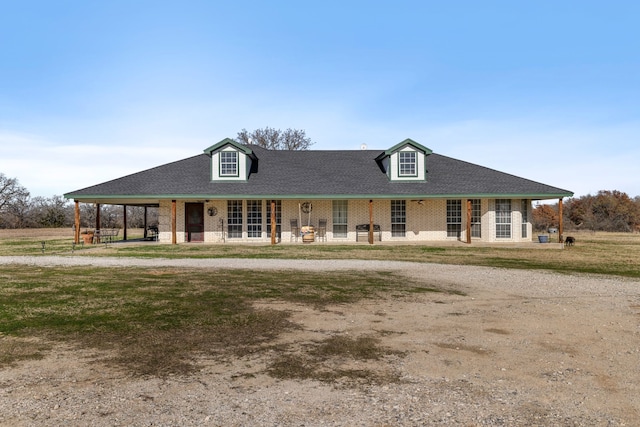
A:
{"points": [[194, 222]]}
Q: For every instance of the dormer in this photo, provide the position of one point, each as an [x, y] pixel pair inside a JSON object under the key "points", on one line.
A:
{"points": [[231, 161], [404, 161]]}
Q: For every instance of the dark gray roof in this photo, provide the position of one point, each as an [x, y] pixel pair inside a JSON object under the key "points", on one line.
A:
{"points": [[318, 174]]}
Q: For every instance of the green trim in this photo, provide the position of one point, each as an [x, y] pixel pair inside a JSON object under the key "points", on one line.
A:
{"points": [[317, 196], [399, 145], [229, 141]]}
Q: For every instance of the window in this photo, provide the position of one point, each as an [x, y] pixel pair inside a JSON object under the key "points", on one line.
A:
{"points": [[525, 217], [254, 218], [278, 217], [398, 218], [228, 163], [339, 209], [503, 219], [454, 218], [234, 219], [407, 163], [476, 218]]}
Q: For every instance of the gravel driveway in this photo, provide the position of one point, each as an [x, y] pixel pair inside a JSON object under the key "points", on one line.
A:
{"points": [[520, 348]]}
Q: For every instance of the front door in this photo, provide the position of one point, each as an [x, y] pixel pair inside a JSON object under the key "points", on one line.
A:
{"points": [[194, 222]]}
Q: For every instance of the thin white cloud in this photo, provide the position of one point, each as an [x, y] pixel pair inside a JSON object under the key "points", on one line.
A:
{"points": [[46, 168], [579, 158]]}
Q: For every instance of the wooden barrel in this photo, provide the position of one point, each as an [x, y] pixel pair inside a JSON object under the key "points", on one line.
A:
{"points": [[308, 234]]}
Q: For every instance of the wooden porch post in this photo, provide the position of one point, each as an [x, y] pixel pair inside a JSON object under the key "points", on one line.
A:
{"points": [[371, 222], [273, 222], [76, 233], [174, 239], [560, 230], [469, 221], [97, 216], [144, 232], [124, 220]]}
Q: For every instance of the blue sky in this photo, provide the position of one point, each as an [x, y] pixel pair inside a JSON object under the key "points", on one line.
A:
{"points": [[547, 90]]}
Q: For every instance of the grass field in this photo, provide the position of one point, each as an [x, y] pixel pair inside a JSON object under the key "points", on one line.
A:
{"points": [[597, 253], [155, 322]]}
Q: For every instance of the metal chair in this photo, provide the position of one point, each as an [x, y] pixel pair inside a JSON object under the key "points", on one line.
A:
{"points": [[321, 231], [295, 230]]}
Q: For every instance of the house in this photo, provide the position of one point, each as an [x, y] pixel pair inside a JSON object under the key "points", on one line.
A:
{"points": [[240, 193]]}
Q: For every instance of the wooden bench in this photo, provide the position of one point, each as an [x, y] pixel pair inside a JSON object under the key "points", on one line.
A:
{"points": [[105, 235], [364, 230]]}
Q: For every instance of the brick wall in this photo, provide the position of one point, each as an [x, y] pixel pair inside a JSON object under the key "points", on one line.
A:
{"points": [[425, 221]]}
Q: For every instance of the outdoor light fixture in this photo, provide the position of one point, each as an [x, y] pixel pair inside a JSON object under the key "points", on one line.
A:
{"points": [[212, 211]]}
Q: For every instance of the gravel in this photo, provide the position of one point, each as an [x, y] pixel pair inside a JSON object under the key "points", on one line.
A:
{"points": [[562, 350]]}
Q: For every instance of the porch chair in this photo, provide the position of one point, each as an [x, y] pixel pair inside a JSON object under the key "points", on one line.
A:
{"points": [[295, 230], [321, 231]]}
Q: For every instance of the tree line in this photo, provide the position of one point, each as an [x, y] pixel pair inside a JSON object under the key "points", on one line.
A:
{"points": [[19, 210], [605, 211]]}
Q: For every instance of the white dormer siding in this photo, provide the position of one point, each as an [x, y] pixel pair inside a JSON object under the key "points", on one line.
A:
{"points": [[229, 164], [230, 161], [404, 161], [406, 164]]}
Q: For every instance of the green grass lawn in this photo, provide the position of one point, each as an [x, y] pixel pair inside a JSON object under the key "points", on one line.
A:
{"points": [[157, 321], [597, 253]]}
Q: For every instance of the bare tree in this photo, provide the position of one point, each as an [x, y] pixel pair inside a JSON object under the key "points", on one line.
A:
{"points": [[14, 202], [10, 191], [276, 139], [53, 211]]}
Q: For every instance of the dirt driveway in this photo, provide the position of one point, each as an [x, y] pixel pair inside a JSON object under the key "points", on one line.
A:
{"points": [[517, 348]]}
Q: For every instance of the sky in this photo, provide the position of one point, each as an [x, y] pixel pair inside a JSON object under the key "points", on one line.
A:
{"points": [[546, 90]]}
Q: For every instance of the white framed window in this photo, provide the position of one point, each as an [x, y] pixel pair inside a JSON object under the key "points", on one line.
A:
{"points": [[476, 218], [503, 219], [525, 217], [340, 211], [407, 163], [398, 218], [234, 219], [254, 218], [454, 218], [228, 163]]}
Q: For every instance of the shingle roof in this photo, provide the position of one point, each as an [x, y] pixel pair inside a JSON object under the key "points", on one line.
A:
{"points": [[318, 174]]}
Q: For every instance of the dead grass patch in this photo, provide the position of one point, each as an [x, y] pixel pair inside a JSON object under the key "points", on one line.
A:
{"points": [[15, 349], [161, 322], [341, 359]]}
